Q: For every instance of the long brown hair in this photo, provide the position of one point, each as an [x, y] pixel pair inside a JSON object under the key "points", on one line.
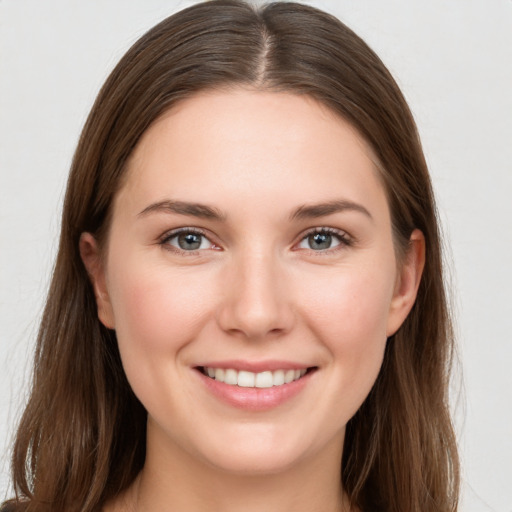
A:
{"points": [[81, 439]]}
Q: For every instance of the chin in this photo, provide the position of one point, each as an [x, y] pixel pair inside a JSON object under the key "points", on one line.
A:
{"points": [[256, 450], [254, 462]]}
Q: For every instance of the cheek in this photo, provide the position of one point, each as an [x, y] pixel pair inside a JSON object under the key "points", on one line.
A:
{"points": [[351, 320], [351, 308], [156, 311]]}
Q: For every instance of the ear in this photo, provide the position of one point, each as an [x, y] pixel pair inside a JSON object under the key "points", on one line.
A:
{"points": [[407, 282], [91, 257]]}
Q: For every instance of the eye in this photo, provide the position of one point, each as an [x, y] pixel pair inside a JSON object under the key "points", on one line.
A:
{"points": [[323, 239], [187, 240]]}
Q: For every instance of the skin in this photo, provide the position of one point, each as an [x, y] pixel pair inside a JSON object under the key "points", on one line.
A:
{"points": [[255, 290]]}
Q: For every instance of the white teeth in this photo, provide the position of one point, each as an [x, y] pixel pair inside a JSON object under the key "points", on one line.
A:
{"points": [[244, 379], [278, 377], [289, 376], [230, 377], [264, 380]]}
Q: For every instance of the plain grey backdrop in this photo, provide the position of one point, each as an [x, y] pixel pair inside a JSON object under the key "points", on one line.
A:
{"points": [[453, 60]]}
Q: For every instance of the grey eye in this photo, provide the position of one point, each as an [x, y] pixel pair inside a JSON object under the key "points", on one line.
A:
{"points": [[320, 241], [189, 241]]}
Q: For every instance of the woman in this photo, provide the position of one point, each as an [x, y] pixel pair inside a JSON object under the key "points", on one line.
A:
{"points": [[247, 309]]}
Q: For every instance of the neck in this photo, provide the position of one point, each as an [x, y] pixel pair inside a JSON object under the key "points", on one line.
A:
{"points": [[174, 480]]}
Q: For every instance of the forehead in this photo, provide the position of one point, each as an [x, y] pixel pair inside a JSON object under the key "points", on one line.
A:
{"points": [[246, 145]]}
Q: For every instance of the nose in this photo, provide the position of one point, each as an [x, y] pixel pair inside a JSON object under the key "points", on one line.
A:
{"points": [[255, 303]]}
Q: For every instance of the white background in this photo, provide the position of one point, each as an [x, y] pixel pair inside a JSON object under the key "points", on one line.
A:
{"points": [[453, 60]]}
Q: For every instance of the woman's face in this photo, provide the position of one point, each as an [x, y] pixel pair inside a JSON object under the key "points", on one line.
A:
{"points": [[251, 279]]}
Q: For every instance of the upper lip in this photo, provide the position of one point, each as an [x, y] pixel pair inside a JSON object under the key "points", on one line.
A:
{"points": [[255, 366]]}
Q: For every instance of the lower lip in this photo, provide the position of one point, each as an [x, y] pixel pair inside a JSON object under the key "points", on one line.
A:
{"points": [[254, 399]]}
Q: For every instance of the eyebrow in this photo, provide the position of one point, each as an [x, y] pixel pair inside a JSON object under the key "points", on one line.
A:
{"points": [[204, 211], [184, 208], [314, 211]]}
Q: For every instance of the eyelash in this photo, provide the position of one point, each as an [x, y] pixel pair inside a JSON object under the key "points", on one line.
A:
{"points": [[164, 241], [344, 239]]}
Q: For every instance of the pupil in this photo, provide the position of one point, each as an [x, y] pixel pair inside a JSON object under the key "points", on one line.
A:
{"points": [[189, 241], [320, 241]]}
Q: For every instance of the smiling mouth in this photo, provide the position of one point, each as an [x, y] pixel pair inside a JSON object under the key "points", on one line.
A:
{"points": [[246, 379]]}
